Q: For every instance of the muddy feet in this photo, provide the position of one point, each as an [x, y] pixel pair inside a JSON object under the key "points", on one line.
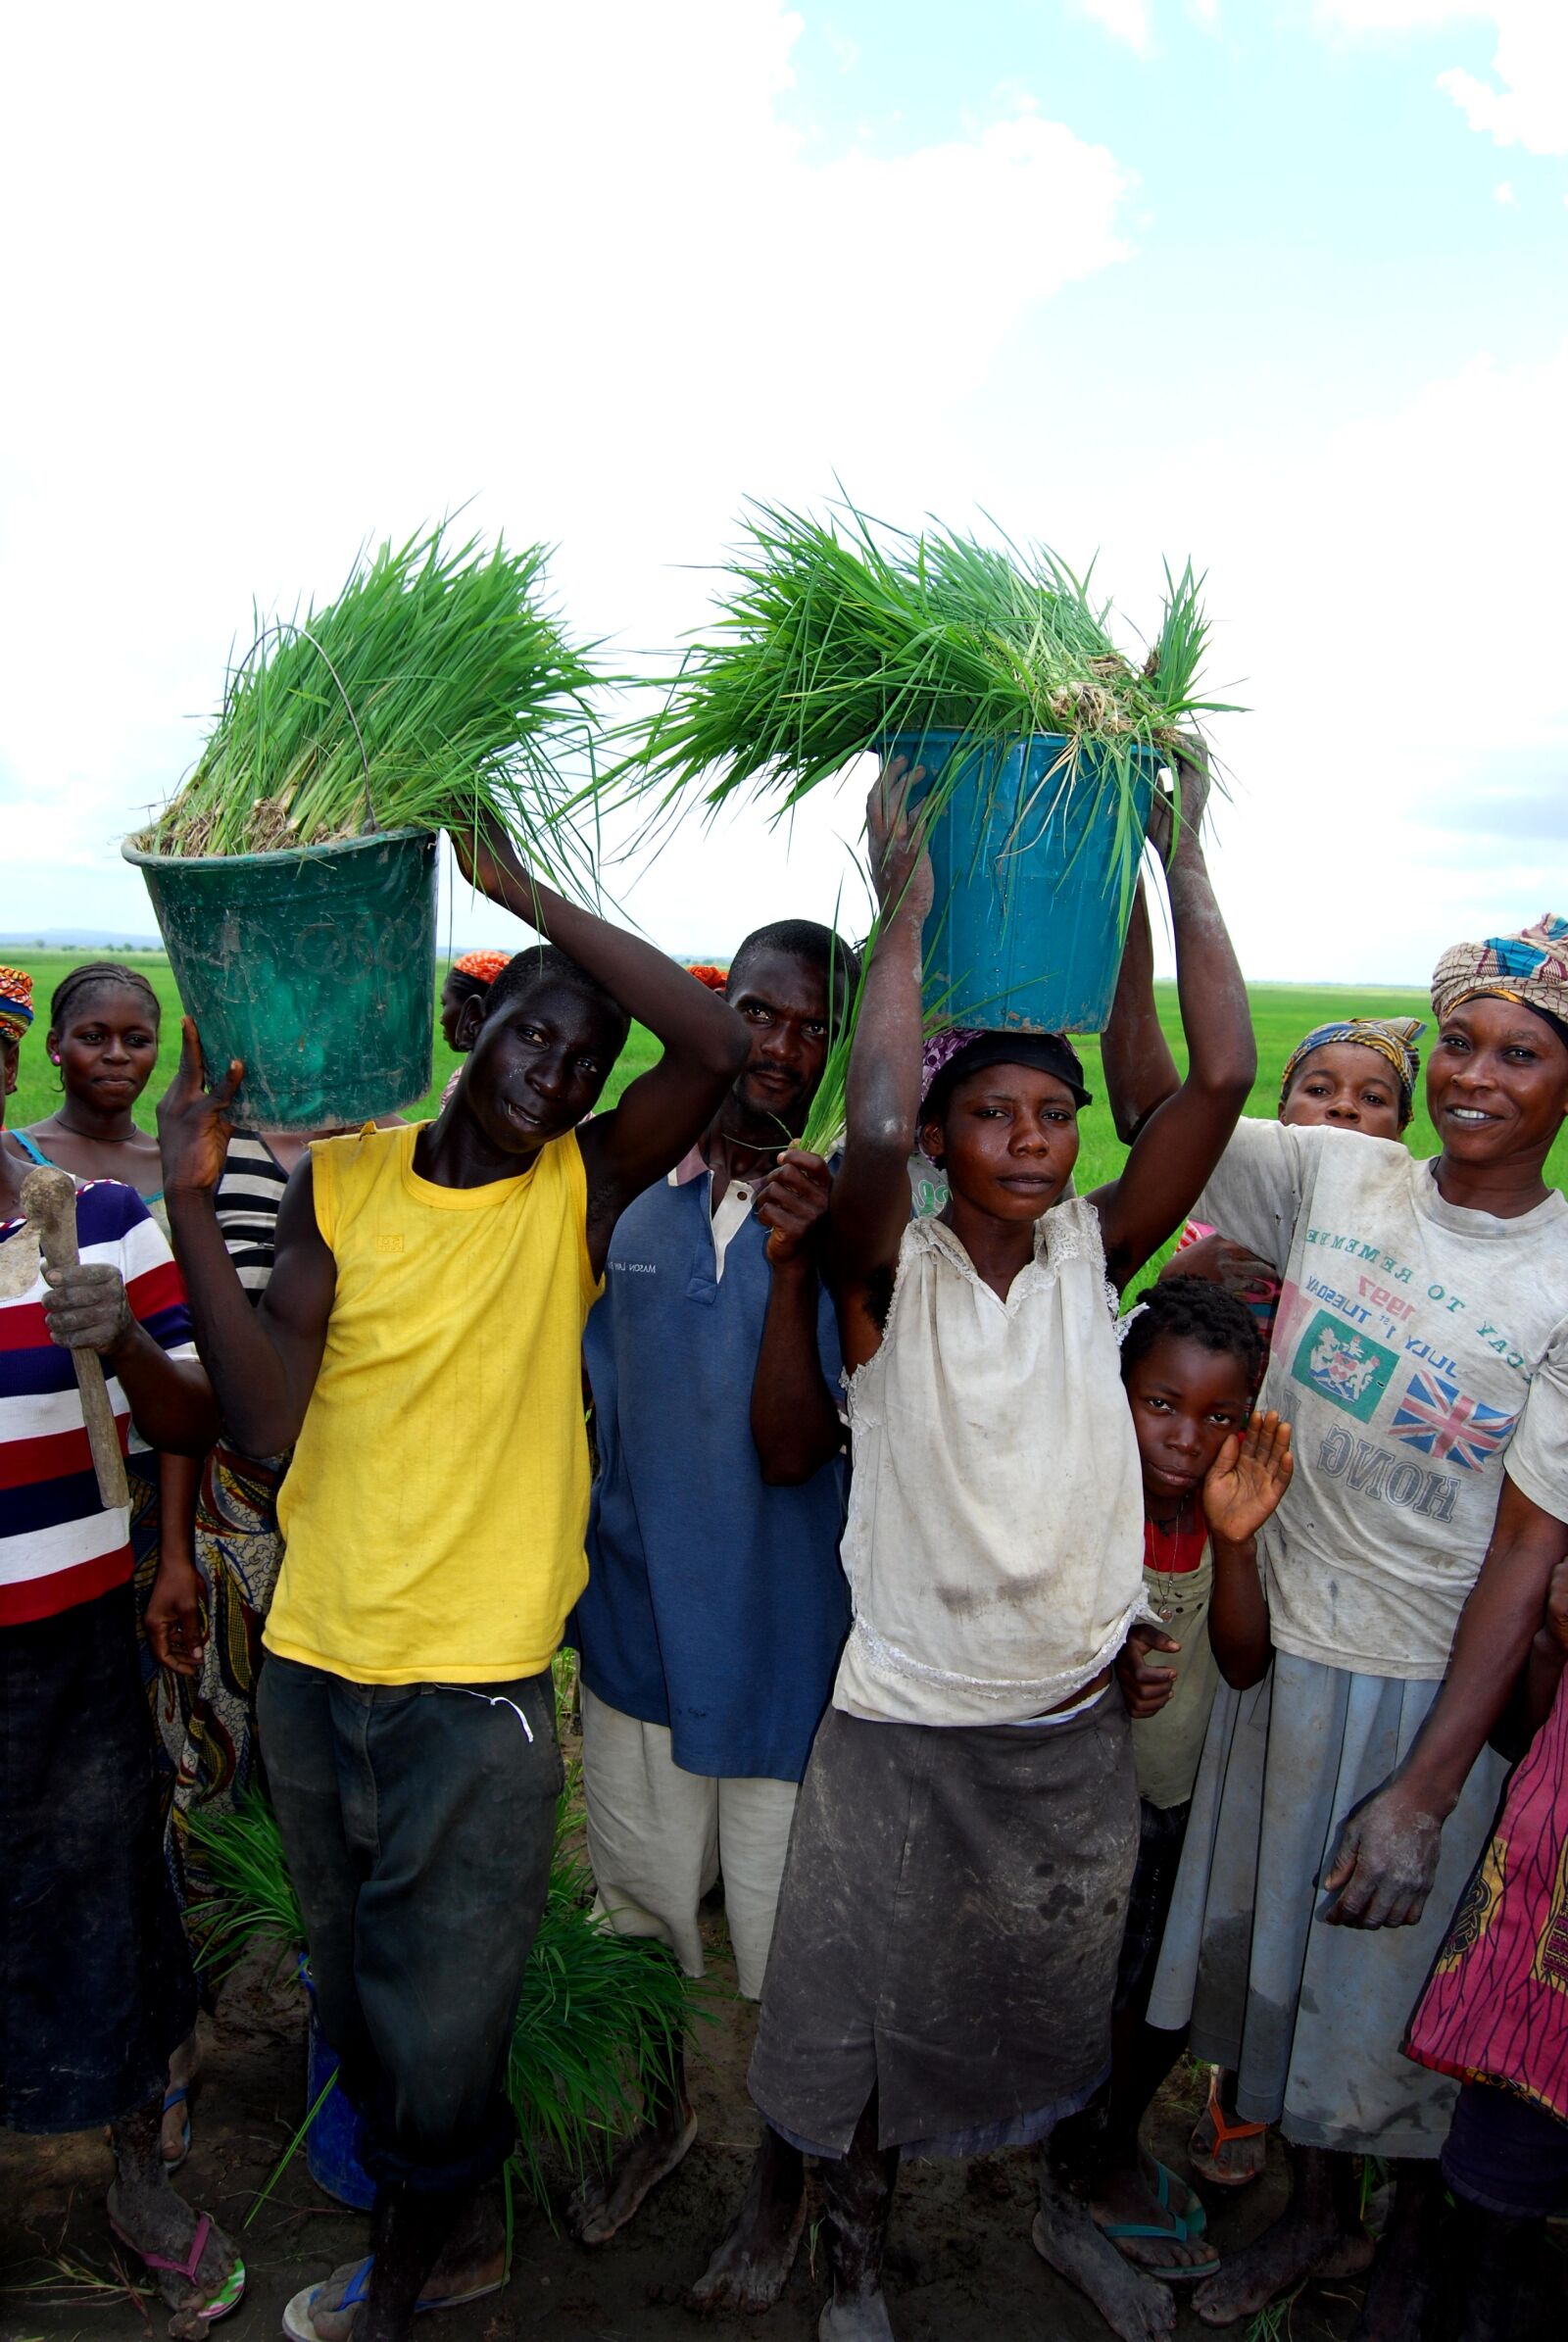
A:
{"points": [[751, 2268], [1299, 2245], [603, 2206], [183, 2068], [855, 2317], [1143, 2195], [161, 2227], [1132, 2306]]}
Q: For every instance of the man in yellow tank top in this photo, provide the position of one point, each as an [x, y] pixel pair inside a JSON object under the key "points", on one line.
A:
{"points": [[418, 1346]]}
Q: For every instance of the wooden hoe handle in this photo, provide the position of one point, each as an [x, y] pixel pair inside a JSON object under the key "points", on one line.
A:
{"points": [[49, 1201]]}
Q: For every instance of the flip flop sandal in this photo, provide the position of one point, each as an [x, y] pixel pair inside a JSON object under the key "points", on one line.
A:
{"points": [[1178, 2227], [228, 2295], [1161, 2277], [1206, 2160], [298, 2320], [178, 2094]]}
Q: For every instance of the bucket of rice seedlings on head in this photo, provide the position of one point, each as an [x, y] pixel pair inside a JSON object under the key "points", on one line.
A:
{"points": [[294, 873], [995, 669]]}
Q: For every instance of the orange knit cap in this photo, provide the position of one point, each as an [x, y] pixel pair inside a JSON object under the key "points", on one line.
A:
{"points": [[483, 966], [15, 1003]]}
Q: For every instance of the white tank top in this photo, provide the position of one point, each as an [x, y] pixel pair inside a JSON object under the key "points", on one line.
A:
{"points": [[994, 1543]]}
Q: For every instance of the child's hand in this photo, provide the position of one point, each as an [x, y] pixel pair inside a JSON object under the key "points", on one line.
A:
{"points": [[1145, 1688], [793, 1200], [900, 867], [1248, 1478]]}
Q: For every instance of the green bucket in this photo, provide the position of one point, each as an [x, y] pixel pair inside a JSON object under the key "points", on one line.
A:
{"points": [[316, 967]]}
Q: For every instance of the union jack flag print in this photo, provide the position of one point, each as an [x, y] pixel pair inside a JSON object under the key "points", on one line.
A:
{"points": [[1436, 1417]]}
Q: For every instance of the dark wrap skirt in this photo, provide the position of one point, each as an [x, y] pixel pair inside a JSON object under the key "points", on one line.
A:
{"points": [[95, 1979], [948, 1932]]}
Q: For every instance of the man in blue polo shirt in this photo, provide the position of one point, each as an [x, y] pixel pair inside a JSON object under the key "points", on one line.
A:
{"points": [[716, 1606]]}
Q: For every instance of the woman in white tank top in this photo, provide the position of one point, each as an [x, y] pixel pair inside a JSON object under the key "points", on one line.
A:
{"points": [[943, 1969]]}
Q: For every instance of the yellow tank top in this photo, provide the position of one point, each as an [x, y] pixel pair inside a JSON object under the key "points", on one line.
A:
{"points": [[435, 1508]]}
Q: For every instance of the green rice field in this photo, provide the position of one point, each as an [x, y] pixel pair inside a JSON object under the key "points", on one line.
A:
{"points": [[1281, 1014]]}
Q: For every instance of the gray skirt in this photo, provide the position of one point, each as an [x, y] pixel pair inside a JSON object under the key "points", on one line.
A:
{"points": [[1310, 2017], [948, 1932]]}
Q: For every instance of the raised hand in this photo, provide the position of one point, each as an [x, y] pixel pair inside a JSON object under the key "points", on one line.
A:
{"points": [[194, 1124], [896, 830], [792, 1201], [1145, 1687], [1224, 1262], [1248, 1478]]}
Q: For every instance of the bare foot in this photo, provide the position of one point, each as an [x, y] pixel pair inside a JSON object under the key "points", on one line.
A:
{"points": [[1130, 2198], [857, 2317], [151, 2218], [1297, 2247], [1132, 2306], [751, 2268], [604, 2204]]}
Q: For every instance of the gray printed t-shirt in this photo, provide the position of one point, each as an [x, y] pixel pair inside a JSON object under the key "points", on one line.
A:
{"points": [[1407, 1337]]}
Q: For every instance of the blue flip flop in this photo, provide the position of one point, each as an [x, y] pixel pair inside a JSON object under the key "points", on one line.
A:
{"points": [[1179, 2228], [178, 2094], [300, 2325]]}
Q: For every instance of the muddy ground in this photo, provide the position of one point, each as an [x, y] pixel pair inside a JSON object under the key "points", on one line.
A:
{"points": [[960, 2266]]}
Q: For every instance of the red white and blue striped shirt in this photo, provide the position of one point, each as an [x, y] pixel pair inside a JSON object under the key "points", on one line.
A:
{"points": [[59, 1545]]}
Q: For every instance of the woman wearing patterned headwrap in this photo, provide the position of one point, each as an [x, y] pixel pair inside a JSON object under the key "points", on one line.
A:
{"points": [[468, 979], [1422, 1340]]}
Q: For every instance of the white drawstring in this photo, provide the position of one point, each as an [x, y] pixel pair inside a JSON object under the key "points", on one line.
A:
{"points": [[493, 1699]]}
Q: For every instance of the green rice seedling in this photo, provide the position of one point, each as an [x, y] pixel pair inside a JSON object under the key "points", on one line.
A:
{"points": [[597, 2018], [437, 690], [831, 636]]}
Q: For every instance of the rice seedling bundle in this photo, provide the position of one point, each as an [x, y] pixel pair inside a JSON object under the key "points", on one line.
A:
{"points": [[438, 688], [596, 2020], [830, 636]]}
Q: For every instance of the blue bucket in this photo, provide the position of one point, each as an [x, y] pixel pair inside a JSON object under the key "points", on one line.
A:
{"points": [[334, 2139], [1026, 928]]}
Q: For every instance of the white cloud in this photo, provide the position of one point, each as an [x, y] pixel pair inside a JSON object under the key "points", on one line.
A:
{"points": [[1130, 21], [1204, 13], [572, 262], [1525, 102], [1503, 193]]}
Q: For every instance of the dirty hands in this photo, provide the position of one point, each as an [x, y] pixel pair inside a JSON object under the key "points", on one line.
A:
{"points": [[1145, 1686], [1192, 784], [1248, 1478], [1385, 1861], [896, 831], [195, 1125], [792, 1202], [174, 1622], [1224, 1262], [88, 1309]]}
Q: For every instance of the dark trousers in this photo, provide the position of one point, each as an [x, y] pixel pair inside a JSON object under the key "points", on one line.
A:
{"points": [[418, 1822]]}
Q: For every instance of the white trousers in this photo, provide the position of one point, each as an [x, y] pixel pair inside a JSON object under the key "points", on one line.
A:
{"points": [[659, 1838]]}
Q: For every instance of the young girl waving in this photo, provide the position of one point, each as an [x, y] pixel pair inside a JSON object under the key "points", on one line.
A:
{"points": [[942, 1974]]}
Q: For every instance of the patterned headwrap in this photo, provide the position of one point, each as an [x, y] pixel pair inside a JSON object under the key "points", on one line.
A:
{"points": [[483, 966], [1391, 1037], [1531, 967], [15, 1003]]}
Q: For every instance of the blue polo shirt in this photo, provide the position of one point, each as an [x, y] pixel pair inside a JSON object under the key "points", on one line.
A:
{"points": [[714, 1605]]}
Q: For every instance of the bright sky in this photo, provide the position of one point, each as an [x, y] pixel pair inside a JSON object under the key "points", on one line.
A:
{"points": [[1279, 283]]}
